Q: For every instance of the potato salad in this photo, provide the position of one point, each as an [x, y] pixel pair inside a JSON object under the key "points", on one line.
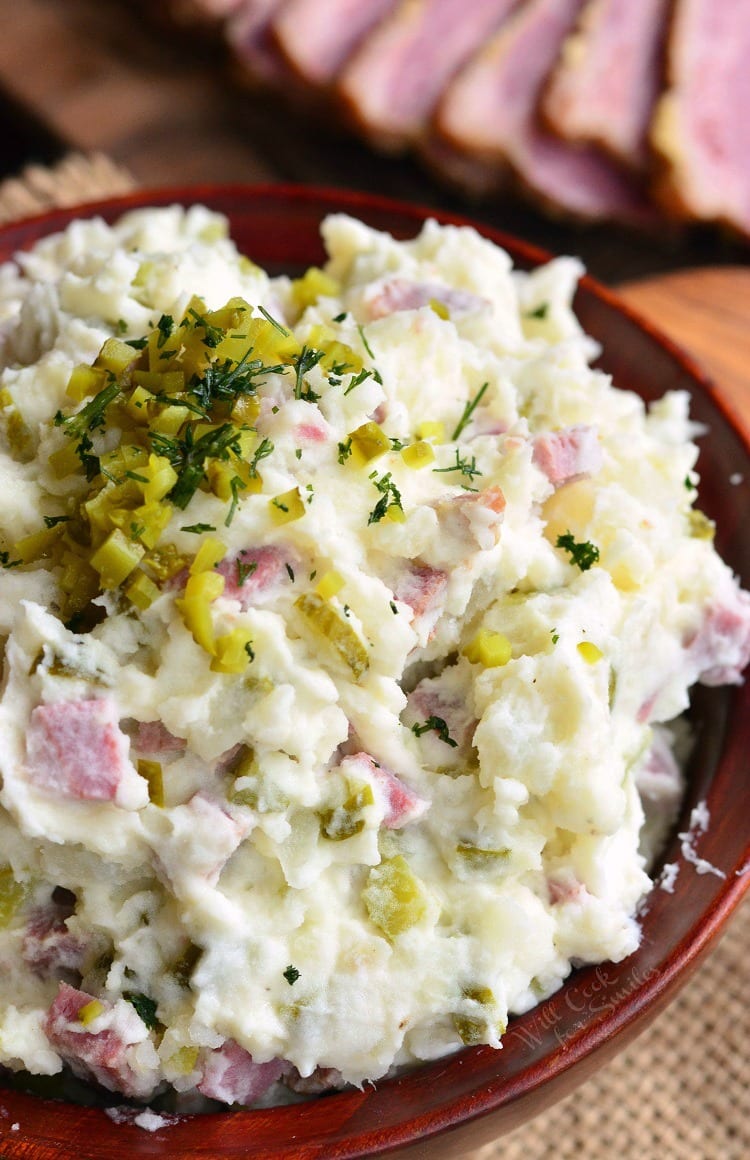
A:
{"points": [[344, 617]]}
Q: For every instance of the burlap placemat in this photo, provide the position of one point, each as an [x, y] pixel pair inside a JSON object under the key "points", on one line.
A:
{"points": [[682, 1090], [75, 179]]}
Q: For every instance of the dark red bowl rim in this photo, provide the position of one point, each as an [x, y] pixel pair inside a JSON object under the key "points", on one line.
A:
{"points": [[493, 1092]]}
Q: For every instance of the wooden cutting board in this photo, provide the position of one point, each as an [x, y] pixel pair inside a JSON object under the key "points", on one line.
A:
{"points": [[707, 312]]}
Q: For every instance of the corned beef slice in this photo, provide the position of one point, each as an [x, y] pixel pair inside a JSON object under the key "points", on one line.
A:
{"points": [[248, 34], [393, 81], [608, 77], [316, 37], [76, 749], [701, 130], [201, 12], [489, 111]]}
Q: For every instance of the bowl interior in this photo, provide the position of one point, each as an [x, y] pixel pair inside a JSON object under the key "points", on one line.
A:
{"points": [[478, 1093]]}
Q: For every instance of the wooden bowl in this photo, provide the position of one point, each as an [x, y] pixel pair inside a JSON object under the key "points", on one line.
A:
{"points": [[443, 1108]]}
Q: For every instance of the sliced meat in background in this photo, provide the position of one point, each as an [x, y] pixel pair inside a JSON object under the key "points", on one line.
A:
{"points": [[604, 88], [701, 129], [202, 11], [489, 112], [316, 37], [248, 35], [391, 84]]}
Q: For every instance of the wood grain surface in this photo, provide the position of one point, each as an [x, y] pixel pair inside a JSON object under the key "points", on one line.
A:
{"points": [[708, 313]]}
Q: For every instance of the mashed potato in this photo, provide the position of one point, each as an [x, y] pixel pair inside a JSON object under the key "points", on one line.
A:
{"points": [[342, 619]]}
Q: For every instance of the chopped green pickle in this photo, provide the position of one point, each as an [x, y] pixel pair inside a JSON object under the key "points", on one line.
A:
{"points": [[481, 860], [346, 820], [12, 894], [183, 968], [394, 897], [184, 1060], [477, 1028], [153, 773], [330, 624], [700, 526]]}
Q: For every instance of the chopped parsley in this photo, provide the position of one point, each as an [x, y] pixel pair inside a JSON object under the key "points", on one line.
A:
{"points": [[6, 562], [365, 343], [212, 335], [197, 528], [341, 317], [689, 484], [583, 554], [290, 572], [555, 635], [466, 466], [345, 450], [541, 311], [303, 363], [394, 610], [236, 485], [244, 571], [291, 974], [92, 415], [145, 1008], [358, 379], [277, 325], [390, 497], [469, 410], [165, 326], [53, 521], [262, 451], [188, 456], [250, 651], [435, 725]]}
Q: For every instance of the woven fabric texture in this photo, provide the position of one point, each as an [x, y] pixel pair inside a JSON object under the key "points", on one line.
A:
{"points": [[682, 1090], [77, 178]]}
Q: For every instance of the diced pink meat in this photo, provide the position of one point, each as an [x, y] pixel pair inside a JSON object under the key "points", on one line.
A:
{"points": [[423, 589], [230, 1074], [310, 433], [220, 835], [564, 887], [113, 1056], [402, 804], [433, 702], [316, 37], [154, 737], [323, 1079], [568, 454], [470, 521], [400, 294], [721, 647], [253, 573], [48, 946], [76, 749], [658, 778]]}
